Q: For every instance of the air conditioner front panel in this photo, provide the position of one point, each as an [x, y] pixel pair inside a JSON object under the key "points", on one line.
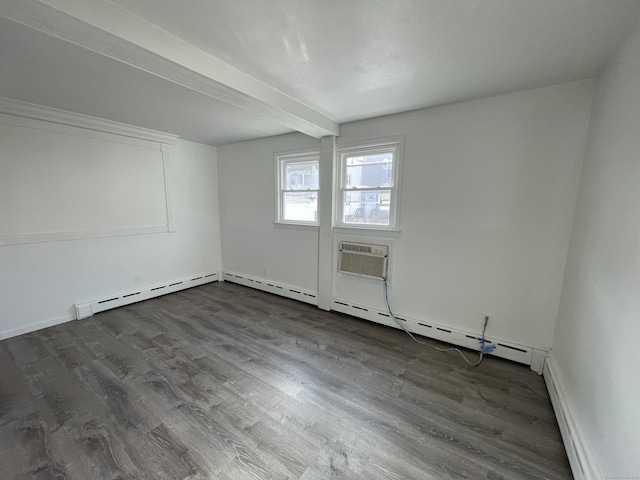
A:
{"points": [[363, 259]]}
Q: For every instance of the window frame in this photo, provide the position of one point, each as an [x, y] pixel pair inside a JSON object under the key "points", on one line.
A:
{"points": [[395, 145], [281, 160]]}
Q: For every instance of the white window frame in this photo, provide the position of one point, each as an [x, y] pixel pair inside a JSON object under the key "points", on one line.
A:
{"points": [[389, 144], [281, 160]]}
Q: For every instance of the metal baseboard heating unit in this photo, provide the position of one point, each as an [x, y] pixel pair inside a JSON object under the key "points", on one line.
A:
{"points": [[363, 259], [87, 309]]}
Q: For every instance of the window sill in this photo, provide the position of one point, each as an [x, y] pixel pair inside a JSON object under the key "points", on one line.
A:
{"points": [[296, 226]]}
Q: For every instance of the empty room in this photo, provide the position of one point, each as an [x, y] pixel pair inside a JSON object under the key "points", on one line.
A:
{"points": [[314, 239]]}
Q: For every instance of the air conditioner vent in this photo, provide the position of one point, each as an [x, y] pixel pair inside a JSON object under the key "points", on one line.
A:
{"points": [[363, 259]]}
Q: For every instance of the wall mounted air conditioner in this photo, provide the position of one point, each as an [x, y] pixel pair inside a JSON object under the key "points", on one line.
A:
{"points": [[363, 259]]}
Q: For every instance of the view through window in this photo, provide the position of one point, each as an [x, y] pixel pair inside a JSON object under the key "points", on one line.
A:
{"points": [[298, 186], [368, 194]]}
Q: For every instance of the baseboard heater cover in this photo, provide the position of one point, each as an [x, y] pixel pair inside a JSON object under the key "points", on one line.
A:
{"points": [[511, 351], [508, 350], [86, 309], [266, 285]]}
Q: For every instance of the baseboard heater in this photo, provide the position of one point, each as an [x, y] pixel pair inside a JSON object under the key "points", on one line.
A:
{"points": [[270, 286], [509, 350], [88, 308]]}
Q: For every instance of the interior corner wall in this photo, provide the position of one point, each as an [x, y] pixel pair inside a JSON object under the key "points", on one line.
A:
{"points": [[595, 346], [251, 242], [41, 281], [488, 196]]}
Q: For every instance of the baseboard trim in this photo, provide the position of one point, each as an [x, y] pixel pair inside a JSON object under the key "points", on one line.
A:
{"points": [[270, 286], [581, 459], [32, 327]]}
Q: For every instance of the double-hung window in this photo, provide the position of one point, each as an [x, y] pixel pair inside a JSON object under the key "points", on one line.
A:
{"points": [[297, 179], [368, 194]]}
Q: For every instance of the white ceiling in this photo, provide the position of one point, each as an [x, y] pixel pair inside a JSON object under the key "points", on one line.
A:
{"points": [[223, 71]]}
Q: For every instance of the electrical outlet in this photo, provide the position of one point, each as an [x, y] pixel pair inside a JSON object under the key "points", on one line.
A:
{"points": [[339, 286], [266, 271], [136, 278]]}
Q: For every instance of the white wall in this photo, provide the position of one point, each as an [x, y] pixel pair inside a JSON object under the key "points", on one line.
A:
{"points": [[250, 240], [595, 345], [40, 282], [487, 203], [488, 199]]}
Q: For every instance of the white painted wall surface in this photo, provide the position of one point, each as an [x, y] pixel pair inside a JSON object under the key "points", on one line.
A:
{"points": [[250, 240], [40, 282], [488, 195], [598, 327], [488, 200]]}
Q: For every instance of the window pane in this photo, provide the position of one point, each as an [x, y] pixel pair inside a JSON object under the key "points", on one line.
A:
{"points": [[375, 170], [301, 175], [300, 206], [367, 206]]}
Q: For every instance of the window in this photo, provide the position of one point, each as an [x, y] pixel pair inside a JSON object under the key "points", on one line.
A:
{"points": [[297, 179], [368, 189]]}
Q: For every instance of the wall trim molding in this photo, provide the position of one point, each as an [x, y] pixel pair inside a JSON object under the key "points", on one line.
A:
{"points": [[28, 115], [53, 115], [270, 286], [581, 459], [42, 237]]}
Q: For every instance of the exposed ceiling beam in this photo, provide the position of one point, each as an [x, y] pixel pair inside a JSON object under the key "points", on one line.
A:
{"points": [[110, 30]]}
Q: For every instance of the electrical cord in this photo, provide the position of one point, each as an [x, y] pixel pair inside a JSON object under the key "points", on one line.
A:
{"points": [[452, 350]]}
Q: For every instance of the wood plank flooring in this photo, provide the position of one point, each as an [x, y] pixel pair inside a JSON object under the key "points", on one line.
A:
{"points": [[225, 382]]}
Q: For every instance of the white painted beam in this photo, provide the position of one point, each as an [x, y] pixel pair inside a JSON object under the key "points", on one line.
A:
{"points": [[110, 30]]}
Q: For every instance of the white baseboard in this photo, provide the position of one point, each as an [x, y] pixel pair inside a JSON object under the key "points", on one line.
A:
{"points": [[270, 286], [581, 459], [32, 327]]}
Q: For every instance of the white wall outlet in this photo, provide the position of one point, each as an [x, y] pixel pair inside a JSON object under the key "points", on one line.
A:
{"points": [[136, 278], [265, 271]]}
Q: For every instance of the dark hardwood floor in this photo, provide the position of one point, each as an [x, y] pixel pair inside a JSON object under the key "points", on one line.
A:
{"points": [[226, 382]]}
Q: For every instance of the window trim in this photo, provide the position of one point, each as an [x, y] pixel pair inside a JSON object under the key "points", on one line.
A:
{"points": [[366, 147], [281, 159]]}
